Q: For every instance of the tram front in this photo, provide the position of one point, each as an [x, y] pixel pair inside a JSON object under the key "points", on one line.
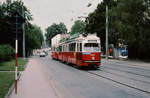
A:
{"points": [[91, 53]]}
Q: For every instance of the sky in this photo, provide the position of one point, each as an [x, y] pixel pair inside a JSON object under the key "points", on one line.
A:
{"points": [[47, 12]]}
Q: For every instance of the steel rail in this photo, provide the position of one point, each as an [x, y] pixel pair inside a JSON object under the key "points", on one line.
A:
{"points": [[118, 82], [127, 72]]}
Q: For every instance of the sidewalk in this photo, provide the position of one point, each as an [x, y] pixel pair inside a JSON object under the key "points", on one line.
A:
{"points": [[33, 83]]}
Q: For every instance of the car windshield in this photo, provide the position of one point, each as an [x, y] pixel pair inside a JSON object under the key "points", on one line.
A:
{"points": [[91, 47]]}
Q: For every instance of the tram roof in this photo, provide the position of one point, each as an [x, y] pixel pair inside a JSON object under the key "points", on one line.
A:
{"points": [[80, 38]]}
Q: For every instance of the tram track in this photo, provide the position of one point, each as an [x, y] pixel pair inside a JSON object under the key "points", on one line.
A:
{"points": [[118, 82], [127, 72], [121, 82], [126, 76], [127, 84], [130, 65]]}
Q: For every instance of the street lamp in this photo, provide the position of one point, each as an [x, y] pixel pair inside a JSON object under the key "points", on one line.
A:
{"points": [[106, 32], [23, 31]]}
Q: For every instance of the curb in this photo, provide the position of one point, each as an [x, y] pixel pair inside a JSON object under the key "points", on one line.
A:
{"points": [[111, 58]]}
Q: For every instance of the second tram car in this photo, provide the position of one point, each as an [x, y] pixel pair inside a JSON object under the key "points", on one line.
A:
{"points": [[81, 51]]}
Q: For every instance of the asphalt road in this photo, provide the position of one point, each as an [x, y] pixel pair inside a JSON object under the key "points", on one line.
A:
{"points": [[70, 82]]}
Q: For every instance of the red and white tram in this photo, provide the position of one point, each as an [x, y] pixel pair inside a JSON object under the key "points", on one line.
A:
{"points": [[81, 51]]}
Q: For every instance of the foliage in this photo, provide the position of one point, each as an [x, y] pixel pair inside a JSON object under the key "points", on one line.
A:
{"points": [[96, 21], [10, 65], [34, 37], [78, 27], [129, 21], [132, 23], [6, 80], [55, 29], [6, 52], [7, 28]]}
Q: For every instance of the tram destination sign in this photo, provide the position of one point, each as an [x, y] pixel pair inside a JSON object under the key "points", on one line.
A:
{"points": [[92, 41]]}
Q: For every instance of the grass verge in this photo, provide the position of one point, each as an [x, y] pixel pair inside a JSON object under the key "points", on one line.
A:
{"points": [[6, 80], [10, 65]]}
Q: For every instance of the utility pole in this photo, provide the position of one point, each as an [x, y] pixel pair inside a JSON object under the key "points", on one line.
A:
{"points": [[106, 32], [16, 43], [16, 19], [23, 31]]}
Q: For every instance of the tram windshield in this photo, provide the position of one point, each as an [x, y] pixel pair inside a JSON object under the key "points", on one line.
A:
{"points": [[91, 47]]}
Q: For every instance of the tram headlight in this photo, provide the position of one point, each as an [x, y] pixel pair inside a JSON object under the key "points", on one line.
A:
{"points": [[93, 58]]}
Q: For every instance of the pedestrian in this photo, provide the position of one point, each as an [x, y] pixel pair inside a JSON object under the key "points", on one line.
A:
{"points": [[110, 51]]}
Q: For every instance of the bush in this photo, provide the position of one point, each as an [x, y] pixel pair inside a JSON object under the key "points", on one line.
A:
{"points": [[6, 52]]}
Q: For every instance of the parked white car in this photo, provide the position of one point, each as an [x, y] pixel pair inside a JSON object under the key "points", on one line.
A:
{"points": [[42, 54]]}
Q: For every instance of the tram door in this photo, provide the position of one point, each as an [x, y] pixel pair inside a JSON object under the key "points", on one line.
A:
{"points": [[79, 53]]}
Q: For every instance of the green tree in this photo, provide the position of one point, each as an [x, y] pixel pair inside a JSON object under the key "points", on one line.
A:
{"points": [[6, 52], [131, 19], [53, 30], [78, 27], [34, 38], [6, 26], [33, 34], [96, 21]]}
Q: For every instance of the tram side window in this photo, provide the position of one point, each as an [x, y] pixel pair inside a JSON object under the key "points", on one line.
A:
{"points": [[60, 48], [63, 48], [57, 49], [80, 46], [53, 49], [72, 47], [67, 47]]}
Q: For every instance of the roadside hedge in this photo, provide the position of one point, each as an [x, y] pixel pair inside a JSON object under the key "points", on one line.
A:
{"points": [[6, 52]]}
